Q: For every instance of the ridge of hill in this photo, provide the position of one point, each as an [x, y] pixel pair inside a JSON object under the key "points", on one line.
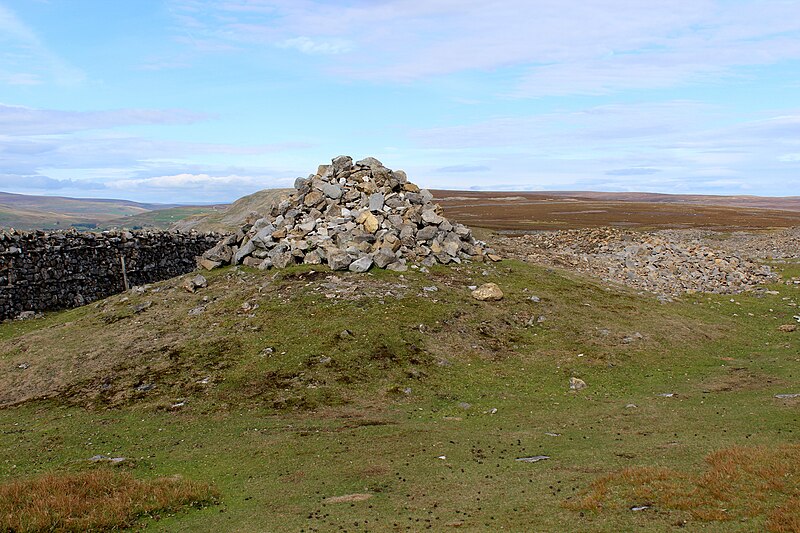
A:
{"points": [[22, 211], [231, 217]]}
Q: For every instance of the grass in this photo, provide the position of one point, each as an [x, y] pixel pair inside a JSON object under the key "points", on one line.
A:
{"points": [[740, 483], [322, 389], [96, 500]]}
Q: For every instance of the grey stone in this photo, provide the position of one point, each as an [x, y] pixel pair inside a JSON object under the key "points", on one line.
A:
{"points": [[246, 249], [332, 191], [376, 201], [361, 264], [341, 164], [338, 259], [383, 257]]}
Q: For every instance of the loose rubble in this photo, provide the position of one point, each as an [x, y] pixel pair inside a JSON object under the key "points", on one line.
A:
{"points": [[351, 216], [658, 262]]}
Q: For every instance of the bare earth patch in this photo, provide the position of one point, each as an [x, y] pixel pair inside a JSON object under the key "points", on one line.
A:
{"points": [[348, 498]]}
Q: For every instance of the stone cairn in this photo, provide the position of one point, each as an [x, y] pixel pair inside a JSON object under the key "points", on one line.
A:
{"points": [[351, 217]]}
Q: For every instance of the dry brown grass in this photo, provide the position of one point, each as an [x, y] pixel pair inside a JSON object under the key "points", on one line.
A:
{"points": [[93, 501], [739, 483], [526, 211]]}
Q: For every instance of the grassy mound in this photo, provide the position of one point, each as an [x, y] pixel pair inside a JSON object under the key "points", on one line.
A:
{"points": [[326, 401]]}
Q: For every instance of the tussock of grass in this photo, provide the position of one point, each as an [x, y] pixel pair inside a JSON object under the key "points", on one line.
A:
{"points": [[739, 483], [92, 501]]}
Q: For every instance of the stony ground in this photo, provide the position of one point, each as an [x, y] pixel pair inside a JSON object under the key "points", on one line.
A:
{"points": [[668, 262]]}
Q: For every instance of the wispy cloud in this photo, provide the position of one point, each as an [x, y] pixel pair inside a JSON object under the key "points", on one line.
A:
{"points": [[26, 59], [307, 45], [632, 171], [21, 120], [461, 169], [585, 47], [667, 147]]}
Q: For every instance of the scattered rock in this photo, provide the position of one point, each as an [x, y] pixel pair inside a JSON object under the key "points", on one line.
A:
{"points": [[534, 459], [106, 459], [668, 263], [787, 396], [23, 366], [640, 507], [197, 282], [144, 387], [141, 307], [576, 384], [488, 292], [787, 328]]}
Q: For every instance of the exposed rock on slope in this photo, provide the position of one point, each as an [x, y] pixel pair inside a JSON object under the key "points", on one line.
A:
{"points": [[351, 216]]}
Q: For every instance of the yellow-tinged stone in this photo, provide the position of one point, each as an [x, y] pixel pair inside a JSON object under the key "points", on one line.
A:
{"points": [[488, 292], [371, 224]]}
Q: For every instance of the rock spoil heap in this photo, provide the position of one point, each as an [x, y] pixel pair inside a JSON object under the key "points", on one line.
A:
{"points": [[351, 217], [656, 262]]}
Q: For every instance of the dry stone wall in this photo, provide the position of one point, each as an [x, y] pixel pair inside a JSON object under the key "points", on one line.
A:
{"points": [[44, 271]]}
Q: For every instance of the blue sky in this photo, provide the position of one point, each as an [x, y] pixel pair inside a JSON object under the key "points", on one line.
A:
{"points": [[205, 101]]}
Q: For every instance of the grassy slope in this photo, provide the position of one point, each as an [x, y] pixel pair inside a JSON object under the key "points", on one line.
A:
{"points": [[280, 432], [37, 212], [161, 218], [233, 217]]}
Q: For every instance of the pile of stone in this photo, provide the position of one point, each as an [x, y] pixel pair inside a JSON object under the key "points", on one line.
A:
{"points": [[351, 216], [653, 261]]}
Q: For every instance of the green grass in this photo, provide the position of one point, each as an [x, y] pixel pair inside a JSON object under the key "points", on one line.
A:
{"points": [[160, 218], [296, 412]]}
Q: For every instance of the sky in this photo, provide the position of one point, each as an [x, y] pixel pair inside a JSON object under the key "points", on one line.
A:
{"points": [[204, 101]]}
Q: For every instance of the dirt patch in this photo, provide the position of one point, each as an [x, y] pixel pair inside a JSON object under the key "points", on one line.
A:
{"points": [[348, 498], [740, 379]]}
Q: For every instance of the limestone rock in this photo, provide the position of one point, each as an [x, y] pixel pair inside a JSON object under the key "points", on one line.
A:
{"points": [[361, 264], [360, 214], [488, 292], [576, 384]]}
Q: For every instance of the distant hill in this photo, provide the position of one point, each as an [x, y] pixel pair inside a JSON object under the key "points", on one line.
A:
{"points": [[230, 218], [27, 212], [162, 218]]}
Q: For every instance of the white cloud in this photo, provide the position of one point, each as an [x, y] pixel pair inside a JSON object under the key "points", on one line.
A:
{"points": [[310, 46], [576, 47], [667, 147], [183, 181], [21, 120]]}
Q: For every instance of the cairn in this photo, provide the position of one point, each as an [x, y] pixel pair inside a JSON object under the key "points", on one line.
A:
{"points": [[351, 216]]}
